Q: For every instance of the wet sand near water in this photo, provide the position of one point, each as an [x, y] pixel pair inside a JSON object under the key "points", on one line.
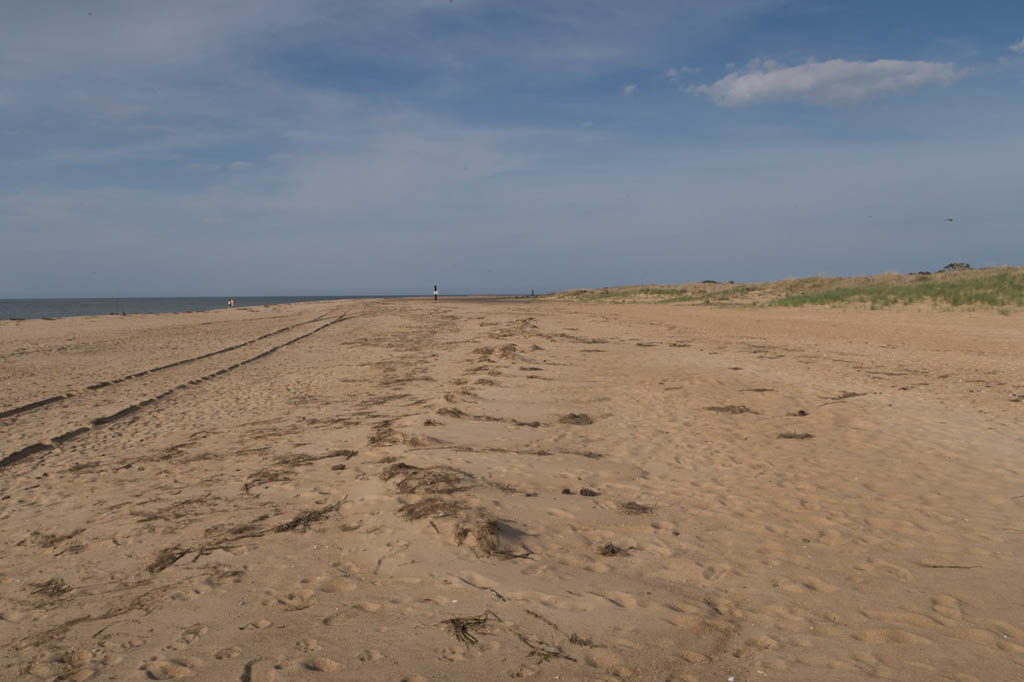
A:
{"points": [[409, 490]]}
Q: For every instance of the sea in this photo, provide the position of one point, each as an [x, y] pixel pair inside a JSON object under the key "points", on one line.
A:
{"points": [[28, 308]]}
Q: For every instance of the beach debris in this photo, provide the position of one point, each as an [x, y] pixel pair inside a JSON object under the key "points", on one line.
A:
{"points": [[845, 395], [579, 640], [795, 436], [542, 650], [636, 508], [587, 492], [305, 519], [466, 628], [730, 409], [577, 419], [611, 549], [436, 507], [491, 536], [566, 491], [167, 557], [798, 413], [53, 588], [435, 480], [265, 476]]}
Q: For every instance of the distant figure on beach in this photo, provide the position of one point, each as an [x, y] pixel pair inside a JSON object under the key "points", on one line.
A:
{"points": [[231, 303], [435, 292]]}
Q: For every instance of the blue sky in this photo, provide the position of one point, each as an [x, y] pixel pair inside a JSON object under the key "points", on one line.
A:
{"points": [[263, 147]]}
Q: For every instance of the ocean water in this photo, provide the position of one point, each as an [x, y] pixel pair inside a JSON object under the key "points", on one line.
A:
{"points": [[26, 308]]}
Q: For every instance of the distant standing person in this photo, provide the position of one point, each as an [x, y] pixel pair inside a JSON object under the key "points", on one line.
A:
{"points": [[231, 303], [435, 292]]}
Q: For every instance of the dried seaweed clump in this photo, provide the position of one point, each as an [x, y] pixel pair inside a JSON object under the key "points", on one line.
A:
{"points": [[577, 419], [53, 588], [304, 520], [466, 628], [434, 507], [264, 476], [612, 550], [731, 409], [794, 435], [435, 480], [166, 558], [635, 508], [492, 537]]}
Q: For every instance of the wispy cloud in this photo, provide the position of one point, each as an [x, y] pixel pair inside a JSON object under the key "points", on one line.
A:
{"points": [[1017, 46], [676, 72], [835, 81], [628, 90]]}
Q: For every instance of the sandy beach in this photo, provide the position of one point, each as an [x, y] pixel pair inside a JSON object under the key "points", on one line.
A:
{"points": [[472, 490]]}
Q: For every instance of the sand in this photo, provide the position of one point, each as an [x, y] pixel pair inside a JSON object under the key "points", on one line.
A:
{"points": [[404, 490]]}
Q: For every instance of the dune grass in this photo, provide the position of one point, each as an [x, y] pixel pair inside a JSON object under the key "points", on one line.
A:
{"points": [[996, 287], [1000, 288]]}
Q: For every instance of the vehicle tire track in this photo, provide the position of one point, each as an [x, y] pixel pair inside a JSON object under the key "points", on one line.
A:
{"points": [[21, 409], [60, 439]]}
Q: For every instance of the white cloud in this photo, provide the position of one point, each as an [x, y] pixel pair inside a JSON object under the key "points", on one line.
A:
{"points": [[1018, 46], [832, 81], [629, 89], [674, 72]]}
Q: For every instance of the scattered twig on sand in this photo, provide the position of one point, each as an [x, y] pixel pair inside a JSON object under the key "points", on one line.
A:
{"points": [[53, 588], [434, 506], [794, 435], [166, 558], [48, 540], [845, 395], [463, 627], [305, 519], [731, 409], [581, 641], [264, 476], [928, 565], [542, 650], [493, 591]]}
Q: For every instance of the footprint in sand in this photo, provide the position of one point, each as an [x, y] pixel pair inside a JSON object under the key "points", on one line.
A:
{"points": [[947, 609], [260, 671], [168, 670], [715, 571], [307, 646], [890, 636], [323, 664], [194, 632], [370, 656], [298, 600]]}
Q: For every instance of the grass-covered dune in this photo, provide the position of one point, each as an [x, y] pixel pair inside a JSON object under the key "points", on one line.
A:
{"points": [[1001, 288]]}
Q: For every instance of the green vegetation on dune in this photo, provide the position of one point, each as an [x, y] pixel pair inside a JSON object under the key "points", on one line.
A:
{"points": [[956, 285], [997, 288]]}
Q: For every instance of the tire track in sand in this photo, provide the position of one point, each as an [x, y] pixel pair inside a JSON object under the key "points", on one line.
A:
{"points": [[28, 407], [62, 438]]}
